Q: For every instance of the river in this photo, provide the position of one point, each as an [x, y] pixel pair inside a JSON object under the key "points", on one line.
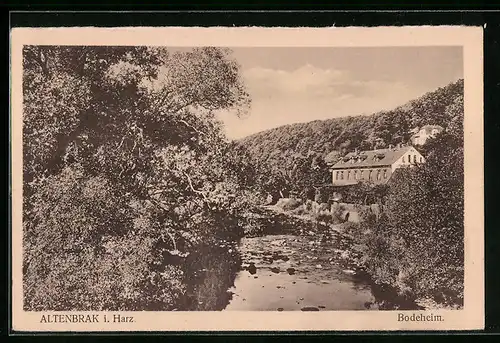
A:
{"points": [[291, 266], [287, 272]]}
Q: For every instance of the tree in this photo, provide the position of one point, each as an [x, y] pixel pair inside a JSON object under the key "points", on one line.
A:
{"points": [[423, 227], [124, 161]]}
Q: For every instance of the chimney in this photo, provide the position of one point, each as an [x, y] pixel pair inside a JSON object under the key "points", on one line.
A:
{"points": [[399, 146], [391, 146], [356, 151]]}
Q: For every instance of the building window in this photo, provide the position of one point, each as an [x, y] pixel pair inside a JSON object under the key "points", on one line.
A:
{"points": [[356, 176], [362, 172], [414, 158], [421, 159], [342, 175], [349, 175], [403, 159], [409, 158], [370, 175], [337, 175], [378, 174], [385, 173]]}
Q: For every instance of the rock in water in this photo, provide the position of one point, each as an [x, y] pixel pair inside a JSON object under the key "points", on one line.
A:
{"points": [[275, 270], [290, 271], [309, 308], [319, 266], [252, 269], [280, 309], [348, 271]]}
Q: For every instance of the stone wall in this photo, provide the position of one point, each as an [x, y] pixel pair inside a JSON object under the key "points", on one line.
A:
{"points": [[352, 210]]}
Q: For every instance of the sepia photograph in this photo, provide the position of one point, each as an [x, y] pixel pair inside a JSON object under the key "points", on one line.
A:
{"points": [[223, 178]]}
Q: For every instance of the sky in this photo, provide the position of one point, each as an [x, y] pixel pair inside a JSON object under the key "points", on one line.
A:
{"points": [[292, 85]]}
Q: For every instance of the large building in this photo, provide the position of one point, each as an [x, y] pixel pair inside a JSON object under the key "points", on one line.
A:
{"points": [[376, 166], [424, 133]]}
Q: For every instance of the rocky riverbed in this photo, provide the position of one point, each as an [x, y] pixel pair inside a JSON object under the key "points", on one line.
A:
{"points": [[288, 272]]}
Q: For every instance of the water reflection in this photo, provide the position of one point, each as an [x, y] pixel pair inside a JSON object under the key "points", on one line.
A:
{"points": [[211, 273]]}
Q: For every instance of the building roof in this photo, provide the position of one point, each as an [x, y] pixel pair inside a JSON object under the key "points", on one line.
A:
{"points": [[371, 158]]}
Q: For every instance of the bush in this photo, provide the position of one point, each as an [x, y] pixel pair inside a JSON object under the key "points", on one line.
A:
{"points": [[365, 214], [324, 207], [323, 216], [299, 210], [338, 213], [309, 205], [352, 229], [322, 195]]}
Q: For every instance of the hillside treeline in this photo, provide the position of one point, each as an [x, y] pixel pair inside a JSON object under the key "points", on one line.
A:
{"points": [[292, 154]]}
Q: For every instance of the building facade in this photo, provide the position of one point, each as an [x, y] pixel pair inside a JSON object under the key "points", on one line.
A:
{"points": [[376, 166], [424, 133]]}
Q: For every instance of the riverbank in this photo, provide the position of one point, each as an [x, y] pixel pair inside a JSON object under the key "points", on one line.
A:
{"points": [[287, 261], [352, 257]]}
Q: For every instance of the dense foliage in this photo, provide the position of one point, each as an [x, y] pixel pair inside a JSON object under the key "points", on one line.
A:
{"points": [[126, 171], [288, 151], [417, 244]]}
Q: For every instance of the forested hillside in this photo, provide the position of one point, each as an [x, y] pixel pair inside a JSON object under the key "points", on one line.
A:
{"points": [[282, 150]]}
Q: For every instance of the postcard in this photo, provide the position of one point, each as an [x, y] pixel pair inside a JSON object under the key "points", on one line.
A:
{"points": [[247, 179]]}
